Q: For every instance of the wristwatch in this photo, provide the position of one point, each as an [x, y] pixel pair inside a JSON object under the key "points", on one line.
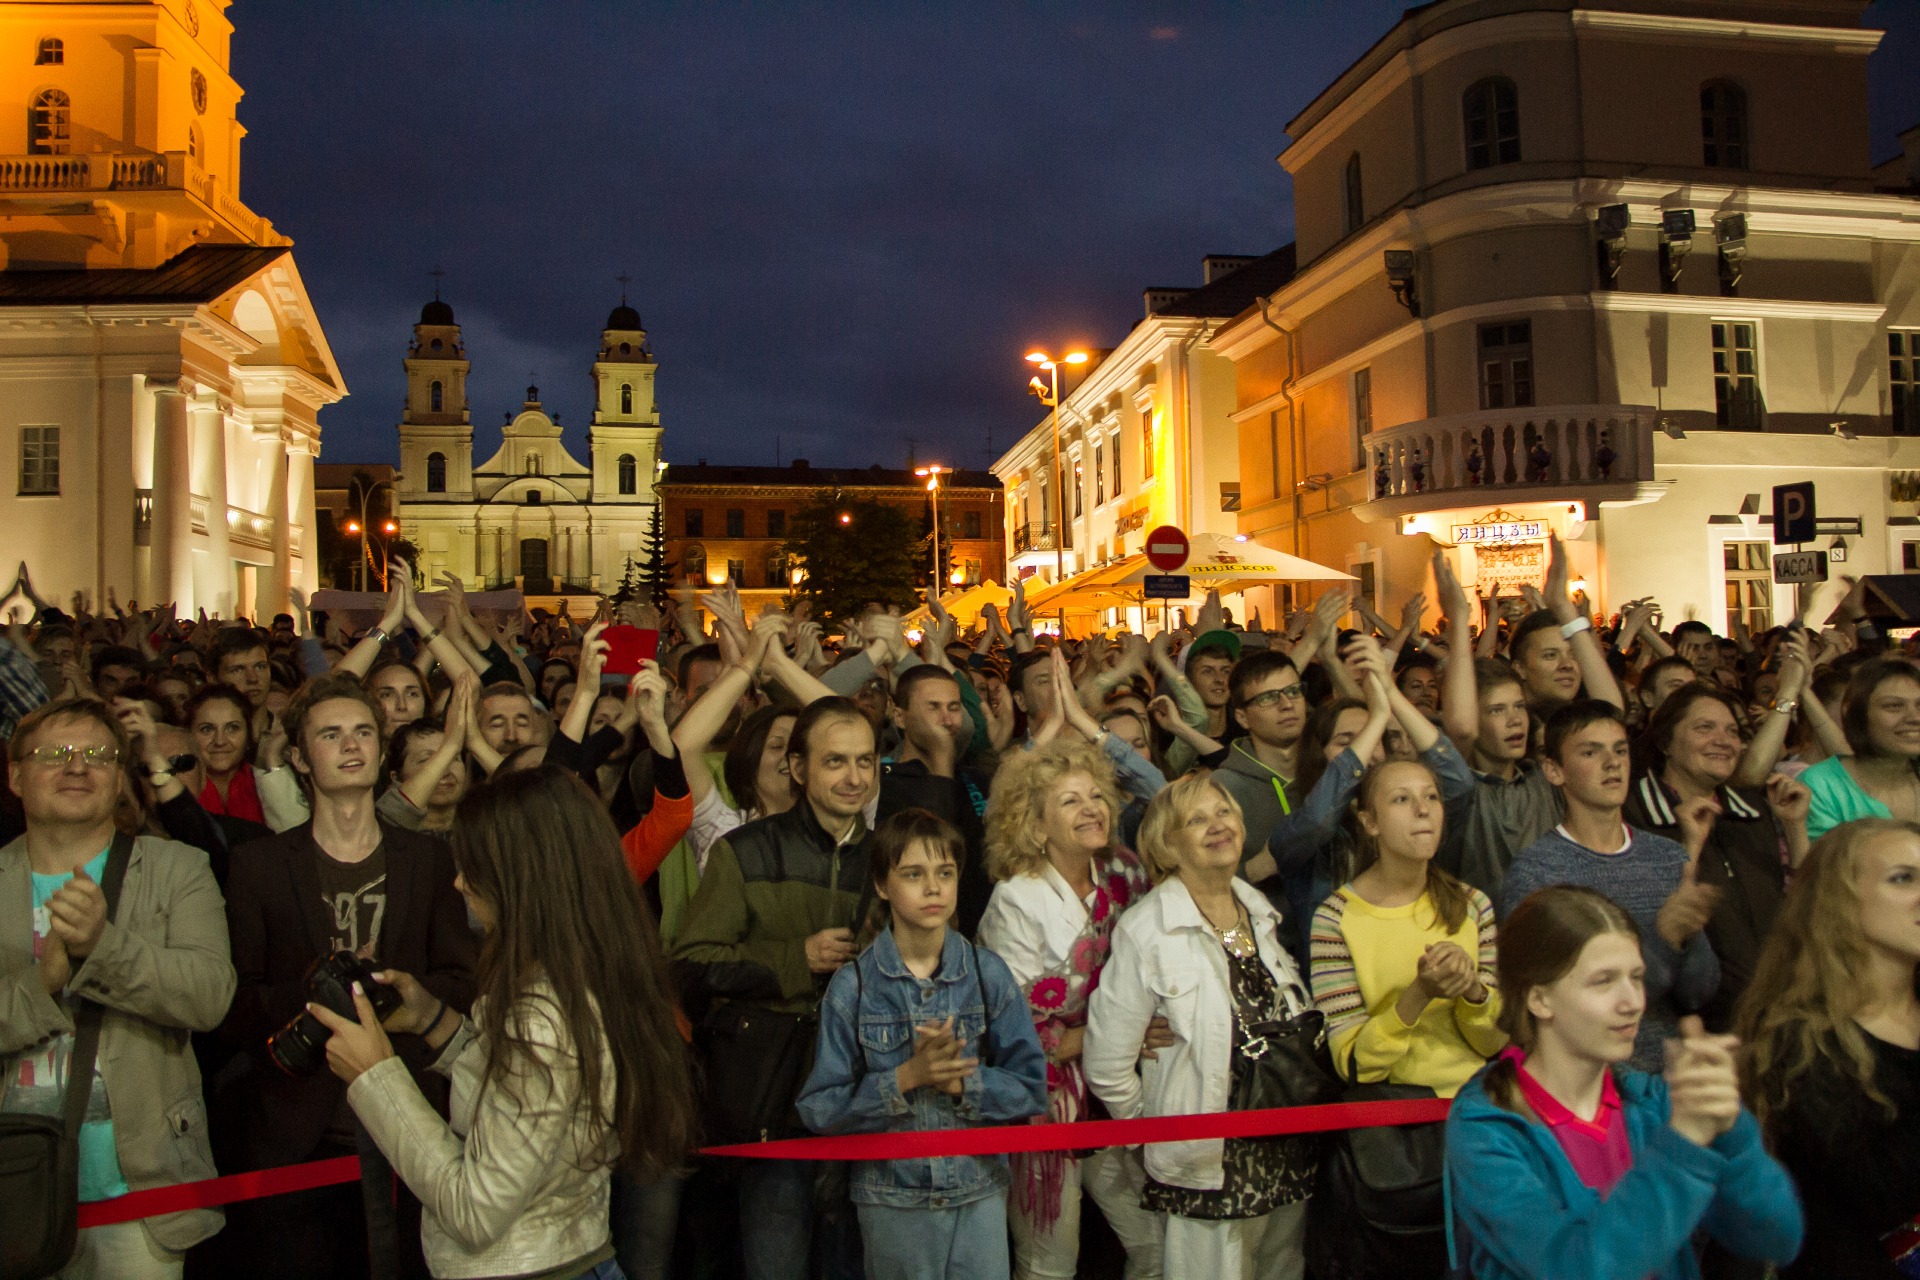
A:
{"points": [[1786, 708]]}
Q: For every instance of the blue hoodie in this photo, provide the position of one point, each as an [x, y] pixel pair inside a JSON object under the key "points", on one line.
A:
{"points": [[1523, 1213]]}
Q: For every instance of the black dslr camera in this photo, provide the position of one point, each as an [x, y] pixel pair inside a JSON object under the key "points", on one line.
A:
{"points": [[300, 1047]]}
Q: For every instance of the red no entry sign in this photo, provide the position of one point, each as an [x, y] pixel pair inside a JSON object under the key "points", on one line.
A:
{"points": [[1167, 549]]}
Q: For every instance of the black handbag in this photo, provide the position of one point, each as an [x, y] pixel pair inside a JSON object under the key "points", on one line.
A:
{"points": [[40, 1155], [1288, 1064], [1389, 1178], [756, 1060]]}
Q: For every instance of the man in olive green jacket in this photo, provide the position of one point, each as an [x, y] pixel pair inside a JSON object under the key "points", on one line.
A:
{"points": [[160, 968]]}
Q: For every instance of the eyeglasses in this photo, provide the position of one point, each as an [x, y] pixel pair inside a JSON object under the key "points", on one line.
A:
{"points": [[1274, 697], [60, 756]]}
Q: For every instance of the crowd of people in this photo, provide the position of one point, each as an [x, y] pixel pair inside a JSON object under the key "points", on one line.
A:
{"points": [[444, 894]]}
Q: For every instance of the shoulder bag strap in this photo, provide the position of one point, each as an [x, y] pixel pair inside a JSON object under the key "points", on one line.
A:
{"points": [[86, 1024]]}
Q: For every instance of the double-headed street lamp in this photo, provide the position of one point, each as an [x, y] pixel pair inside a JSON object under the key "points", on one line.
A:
{"points": [[360, 527], [933, 471], [1051, 398]]}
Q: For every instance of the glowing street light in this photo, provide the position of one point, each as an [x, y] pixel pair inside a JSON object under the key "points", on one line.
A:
{"points": [[933, 471], [1051, 398]]}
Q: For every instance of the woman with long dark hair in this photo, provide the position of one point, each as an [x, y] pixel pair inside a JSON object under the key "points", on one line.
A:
{"points": [[1830, 1049], [570, 1065], [1881, 718]]}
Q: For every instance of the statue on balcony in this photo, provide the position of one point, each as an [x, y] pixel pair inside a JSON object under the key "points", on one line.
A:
{"points": [[1604, 457], [1539, 462], [1475, 462], [1382, 475], [1417, 472]]}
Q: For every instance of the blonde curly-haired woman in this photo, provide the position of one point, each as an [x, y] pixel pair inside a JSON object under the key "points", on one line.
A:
{"points": [[1062, 882]]}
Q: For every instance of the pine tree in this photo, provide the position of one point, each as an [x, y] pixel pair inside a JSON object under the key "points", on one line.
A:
{"points": [[631, 586], [656, 571]]}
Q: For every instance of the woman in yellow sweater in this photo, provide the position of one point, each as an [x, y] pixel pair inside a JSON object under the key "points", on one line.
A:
{"points": [[1403, 967]]}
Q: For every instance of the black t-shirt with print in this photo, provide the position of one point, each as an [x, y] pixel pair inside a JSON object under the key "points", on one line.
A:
{"points": [[354, 896]]}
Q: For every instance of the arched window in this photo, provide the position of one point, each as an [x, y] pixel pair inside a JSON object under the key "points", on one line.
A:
{"points": [[435, 396], [1356, 209], [50, 124], [436, 471], [1492, 113], [52, 53], [629, 474], [626, 398], [1723, 125], [693, 562], [532, 498], [193, 142]]}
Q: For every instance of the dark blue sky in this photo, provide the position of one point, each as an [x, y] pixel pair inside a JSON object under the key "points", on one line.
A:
{"points": [[844, 222]]}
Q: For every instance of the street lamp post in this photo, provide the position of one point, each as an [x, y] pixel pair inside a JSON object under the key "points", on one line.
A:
{"points": [[360, 527], [932, 472], [1052, 400]]}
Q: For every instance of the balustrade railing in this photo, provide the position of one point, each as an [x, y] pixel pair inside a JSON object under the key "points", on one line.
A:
{"points": [[1512, 452]]}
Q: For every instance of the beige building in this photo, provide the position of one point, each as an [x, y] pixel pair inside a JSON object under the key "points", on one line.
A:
{"points": [[1610, 270], [1144, 437], [161, 366], [532, 516]]}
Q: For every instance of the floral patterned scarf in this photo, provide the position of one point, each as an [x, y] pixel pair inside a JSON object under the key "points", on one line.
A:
{"points": [[1058, 1002]]}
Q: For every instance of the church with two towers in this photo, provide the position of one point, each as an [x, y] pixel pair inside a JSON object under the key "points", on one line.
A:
{"points": [[533, 516]]}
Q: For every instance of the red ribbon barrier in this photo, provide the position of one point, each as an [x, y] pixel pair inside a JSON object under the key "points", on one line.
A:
{"points": [[927, 1144]]}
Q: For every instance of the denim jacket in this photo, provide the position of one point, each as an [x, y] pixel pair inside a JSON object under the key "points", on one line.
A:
{"points": [[866, 1030]]}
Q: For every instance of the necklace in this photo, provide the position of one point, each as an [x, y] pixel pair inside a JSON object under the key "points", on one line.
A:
{"points": [[1237, 938]]}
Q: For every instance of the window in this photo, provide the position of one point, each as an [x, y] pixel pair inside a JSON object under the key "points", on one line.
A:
{"points": [[970, 572], [1492, 111], [626, 398], [1079, 491], [50, 124], [1116, 462], [736, 523], [40, 460], [1355, 206], [970, 524], [737, 572], [1506, 365], [696, 522], [1723, 125], [532, 497], [776, 524], [777, 569], [1910, 557], [693, 561], [1749, 584], [1736, 376], [629, 474], [436, 396], [1099, 474], [1146, 444], [52, 53], [1903, 376], [1362, 414], [436, 472]]}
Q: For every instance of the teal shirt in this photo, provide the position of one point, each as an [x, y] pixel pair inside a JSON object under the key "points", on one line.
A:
{"points": [[37, 1081], [1837, 798]]}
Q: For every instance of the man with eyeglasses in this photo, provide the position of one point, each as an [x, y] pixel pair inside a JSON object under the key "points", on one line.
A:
{"points": [[159, 967], [1269, 705]]}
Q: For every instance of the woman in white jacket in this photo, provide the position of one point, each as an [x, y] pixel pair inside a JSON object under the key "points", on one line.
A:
{"points": [[1203, 951], [570, 1065]]}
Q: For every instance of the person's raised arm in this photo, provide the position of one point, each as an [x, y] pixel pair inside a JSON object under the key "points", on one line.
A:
{"points": [[1174, 683], [1413, 721], [1020, 619], [1771, 735], [1460, 698], [780, 667], [1577, 629], [460, 713], [586, 689], [705, 718], [434, 639], [360, 660], [1324, 634], [1367, 668], [1167, 715], [459, 627], [1094, 690]]}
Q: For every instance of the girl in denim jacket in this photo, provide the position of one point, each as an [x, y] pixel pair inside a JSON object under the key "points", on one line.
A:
{"points": [[925, 1031]]}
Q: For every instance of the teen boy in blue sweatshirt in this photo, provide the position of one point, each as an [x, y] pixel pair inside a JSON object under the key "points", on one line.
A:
{"points": [[1650, 876], [925, 1031]]}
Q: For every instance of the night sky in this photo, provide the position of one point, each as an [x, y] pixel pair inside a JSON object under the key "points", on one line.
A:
{"points": [[844, 223]]}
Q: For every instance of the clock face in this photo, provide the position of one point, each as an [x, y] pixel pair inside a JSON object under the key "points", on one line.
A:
{"points": [[199, 93]]}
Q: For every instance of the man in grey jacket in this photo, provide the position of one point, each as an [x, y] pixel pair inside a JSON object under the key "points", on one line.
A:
{"points": [[160, 968]]}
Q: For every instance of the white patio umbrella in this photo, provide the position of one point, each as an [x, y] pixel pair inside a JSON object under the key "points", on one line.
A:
{"points": [[1224, 564]]}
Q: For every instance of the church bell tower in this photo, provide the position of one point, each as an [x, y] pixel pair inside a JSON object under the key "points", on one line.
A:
{"points": [[625, 435], [436, 431]]}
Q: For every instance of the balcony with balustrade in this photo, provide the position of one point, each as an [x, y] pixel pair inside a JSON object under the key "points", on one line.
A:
{"points": [[134, 175], [1035, 536], [1549, 453]]}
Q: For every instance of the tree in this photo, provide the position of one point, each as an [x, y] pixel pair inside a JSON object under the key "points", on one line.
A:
{"points": [[855, 552], [631, 586], [656, 571]]}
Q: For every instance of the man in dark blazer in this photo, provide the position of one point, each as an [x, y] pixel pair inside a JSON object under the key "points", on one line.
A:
{"points": [[343, 881]]}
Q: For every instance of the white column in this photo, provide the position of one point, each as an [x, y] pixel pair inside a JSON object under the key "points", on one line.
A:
{"points": [[300, 453], [219, 592], [273, 596], [172, 549]]}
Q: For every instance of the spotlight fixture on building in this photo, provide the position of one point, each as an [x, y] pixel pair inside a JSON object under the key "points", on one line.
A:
{"points": [[1676, 241], [1399, 264], [1730, 238], [1672, 428], [1843, 429], [1610, 233]]}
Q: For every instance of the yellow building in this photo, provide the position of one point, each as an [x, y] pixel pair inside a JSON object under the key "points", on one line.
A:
{"points": [[1145, 435], [1607, 270], [161, 366]]}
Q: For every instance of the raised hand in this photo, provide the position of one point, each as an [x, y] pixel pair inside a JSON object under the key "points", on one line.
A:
{"points": [[1696, 823], [1212, 617], [1789, 799], [1687, 910], [1703, 1086]]}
